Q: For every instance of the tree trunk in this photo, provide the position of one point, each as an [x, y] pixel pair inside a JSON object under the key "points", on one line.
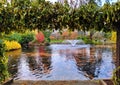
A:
{"points": [[118, 54]]}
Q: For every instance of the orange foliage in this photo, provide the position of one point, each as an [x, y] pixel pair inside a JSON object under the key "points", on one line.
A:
{"points": [[52, 38], [73, 35], [65, 34]]}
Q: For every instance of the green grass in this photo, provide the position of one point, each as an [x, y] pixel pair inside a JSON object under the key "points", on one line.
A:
{"points": [[86, 41], [56, 41]]}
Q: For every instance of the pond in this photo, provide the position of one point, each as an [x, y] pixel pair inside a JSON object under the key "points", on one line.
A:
{"points": [[62, 62]]}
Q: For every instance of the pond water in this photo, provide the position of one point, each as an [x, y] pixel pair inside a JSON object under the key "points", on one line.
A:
{"points": [[62, 62]]}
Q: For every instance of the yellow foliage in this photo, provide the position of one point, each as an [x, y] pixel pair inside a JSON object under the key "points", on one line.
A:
{"points": [[113, 37], [35, 31], [11, 45]]}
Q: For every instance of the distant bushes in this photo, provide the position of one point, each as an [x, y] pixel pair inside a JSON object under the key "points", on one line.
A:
{"points": [[22, 39], [26, 38], [14, 36]]}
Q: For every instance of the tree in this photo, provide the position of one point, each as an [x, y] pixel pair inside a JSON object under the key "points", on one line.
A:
{"points": [[110, 20], [114, 19]]}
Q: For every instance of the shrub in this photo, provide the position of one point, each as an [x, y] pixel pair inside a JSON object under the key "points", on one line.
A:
{"points": [[11, 45], [23, 39], [87, 40], [3, 63], [26, 38], [14, 37], [115, 79], [47, 35]]}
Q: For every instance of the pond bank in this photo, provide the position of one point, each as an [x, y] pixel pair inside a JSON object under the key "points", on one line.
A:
{"points": [[55, 82]]}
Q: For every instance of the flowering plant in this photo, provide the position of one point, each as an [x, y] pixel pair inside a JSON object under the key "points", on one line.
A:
{"points": [[11, 45]]}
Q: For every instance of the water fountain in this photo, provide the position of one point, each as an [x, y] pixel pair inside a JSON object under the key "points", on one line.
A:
{"points": [[74, 42]]}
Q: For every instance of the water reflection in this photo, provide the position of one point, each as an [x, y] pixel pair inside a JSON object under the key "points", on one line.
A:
{"points": [[100, 64], [62, 62], [64, 66], [24, 69], [33, 65], [13, 59], [106, 65]]}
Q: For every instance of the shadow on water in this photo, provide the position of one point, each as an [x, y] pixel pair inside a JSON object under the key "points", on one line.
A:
{"points": [[62, 62]]}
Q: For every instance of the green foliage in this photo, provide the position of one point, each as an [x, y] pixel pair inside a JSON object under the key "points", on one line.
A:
{"points": [[97, 42], [87, 15], [22, 38], [26, 38], [3, 63], [108, 35], [2, 48], [87, 40], [15, 36], [56, 41], [22, 14], [47, 35], [115, 78]]}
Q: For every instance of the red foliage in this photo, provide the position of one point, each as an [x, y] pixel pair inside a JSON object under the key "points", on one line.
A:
{"points": [[40, 37]]}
